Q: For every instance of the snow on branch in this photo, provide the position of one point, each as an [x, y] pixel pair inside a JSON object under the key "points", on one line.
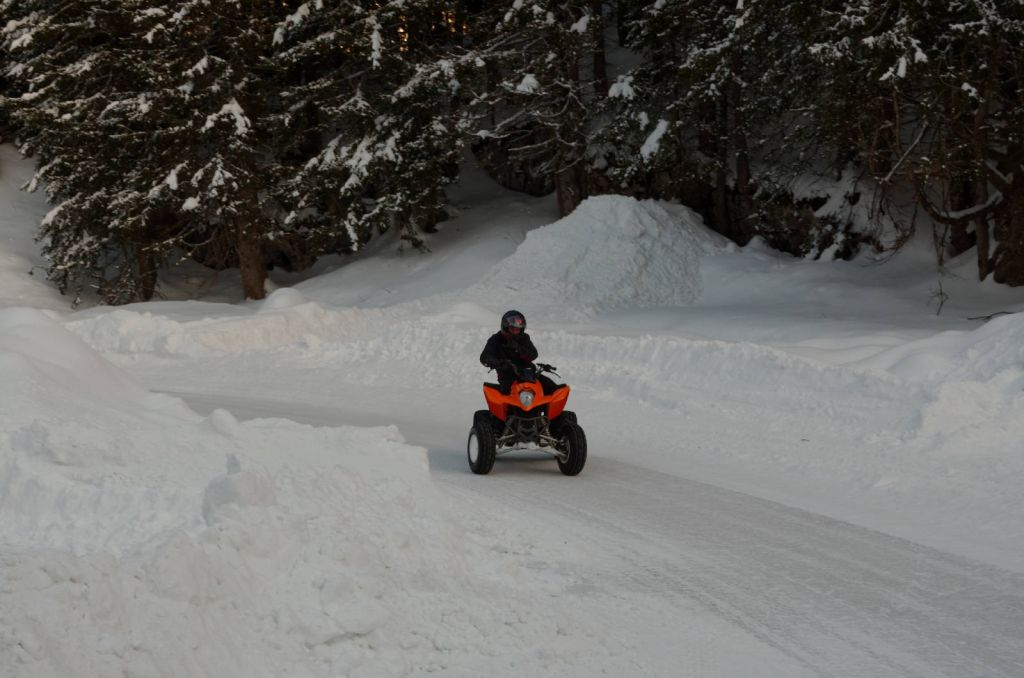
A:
{"points": [[975, 210], [622, 87], [376, 42], [292, 20], [581, 25], [959, 216], [528, 85], [653, 141], [888, 177], [233, 109]]}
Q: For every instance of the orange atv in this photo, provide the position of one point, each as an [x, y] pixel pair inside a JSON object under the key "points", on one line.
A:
{"points": [[525, 418]]}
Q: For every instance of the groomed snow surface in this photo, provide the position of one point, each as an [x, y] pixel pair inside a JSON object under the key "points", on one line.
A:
{"points": [[141, 538]]}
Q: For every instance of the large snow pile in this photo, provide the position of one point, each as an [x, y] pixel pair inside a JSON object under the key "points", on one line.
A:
{"points": [[611, 252], [138, 538]]}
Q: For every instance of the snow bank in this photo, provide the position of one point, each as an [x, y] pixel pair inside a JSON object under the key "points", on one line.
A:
{"points": [[972, 426], [981, 354], [140, 538], [284, 319], [975, 379], [611, 252]]}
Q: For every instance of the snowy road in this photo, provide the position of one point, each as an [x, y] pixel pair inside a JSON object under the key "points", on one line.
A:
{"points": [[835, 598]]}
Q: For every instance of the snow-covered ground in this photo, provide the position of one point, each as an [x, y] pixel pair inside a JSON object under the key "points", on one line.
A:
{"points": [[198, 487]]}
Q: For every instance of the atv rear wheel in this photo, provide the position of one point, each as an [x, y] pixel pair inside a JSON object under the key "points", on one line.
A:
{"points": [[480, 448], [574, 447]]}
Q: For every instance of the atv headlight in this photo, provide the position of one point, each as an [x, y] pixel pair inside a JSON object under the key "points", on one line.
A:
{"points": [[526, 397]]}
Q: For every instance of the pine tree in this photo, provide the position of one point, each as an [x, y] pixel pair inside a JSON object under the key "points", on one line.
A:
{"points": [[150, 123], [667, 129], [945, 83], [217, 82], [78, 107], [374, 120], [721, 86], [538, 103]]}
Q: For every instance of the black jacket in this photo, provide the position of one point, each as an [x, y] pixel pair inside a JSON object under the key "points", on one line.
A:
{"points": [[500, 347]]}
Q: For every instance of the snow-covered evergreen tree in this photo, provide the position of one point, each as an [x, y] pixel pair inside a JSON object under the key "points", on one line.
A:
{"points": [[538, 101], [374, 117], [218, 81], [937, 100], [721, 85], [149, 121], [79, 107]]}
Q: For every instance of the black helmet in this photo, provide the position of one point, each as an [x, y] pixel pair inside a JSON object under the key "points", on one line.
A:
{"points": [[513, 321]]}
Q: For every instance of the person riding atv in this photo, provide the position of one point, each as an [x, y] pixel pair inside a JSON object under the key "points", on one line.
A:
{"points": [[525, 409], [511, 348]]}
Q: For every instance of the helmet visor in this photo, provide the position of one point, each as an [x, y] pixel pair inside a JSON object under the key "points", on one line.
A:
{"points": [[516, 323]]}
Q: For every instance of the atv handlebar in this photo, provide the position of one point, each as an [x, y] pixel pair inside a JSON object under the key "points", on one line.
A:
{"points": [[538, 367]]}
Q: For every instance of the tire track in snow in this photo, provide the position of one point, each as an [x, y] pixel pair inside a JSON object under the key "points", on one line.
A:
{"points": [[841, 600]]}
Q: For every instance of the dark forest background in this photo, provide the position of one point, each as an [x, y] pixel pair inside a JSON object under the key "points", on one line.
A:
{"points": [[255, 134]]}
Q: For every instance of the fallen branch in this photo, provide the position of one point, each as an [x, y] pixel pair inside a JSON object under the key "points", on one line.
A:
{"points": [[988, 317]]}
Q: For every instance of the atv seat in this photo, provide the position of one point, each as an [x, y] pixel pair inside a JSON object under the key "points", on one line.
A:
{"points": [[497, 386]]}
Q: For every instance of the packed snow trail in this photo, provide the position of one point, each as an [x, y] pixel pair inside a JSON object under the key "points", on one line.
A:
{"points": [[838, 599]]}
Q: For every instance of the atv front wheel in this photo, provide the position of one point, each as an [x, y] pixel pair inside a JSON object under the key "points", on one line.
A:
{"points": [[480, 448], [574, 447], [485, 418], [566, 417]]}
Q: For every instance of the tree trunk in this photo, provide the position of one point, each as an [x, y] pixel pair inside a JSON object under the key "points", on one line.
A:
{"points": [[982, 236], [744, 196], [160, 226], [251, 265], [570, 174], [983, 245], [600, 58], [722, 213], [962, 195], [744, 183], [569, 186], [707, 136], [1008, 266], [979, 142], [624, 16], [147, 272]]}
